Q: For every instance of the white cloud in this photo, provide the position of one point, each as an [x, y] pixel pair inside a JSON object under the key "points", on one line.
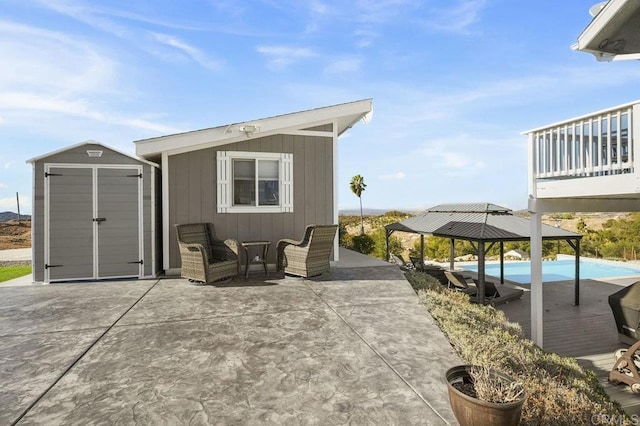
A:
{"points": [[10, 204], [459, 18], [393, 176], [3, 185], [281, 57], [192, 52], [344, 65], [383, 10], [87, 15], [52, 61], [462, 155]]}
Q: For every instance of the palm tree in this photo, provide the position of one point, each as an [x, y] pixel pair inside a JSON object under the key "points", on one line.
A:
{"points": [[357, 186]]}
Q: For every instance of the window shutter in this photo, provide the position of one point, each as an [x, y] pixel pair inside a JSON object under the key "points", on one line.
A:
{"points": [[224, 182], [286, 165]]}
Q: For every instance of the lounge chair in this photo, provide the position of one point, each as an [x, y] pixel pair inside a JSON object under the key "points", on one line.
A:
{"points": [[399, 260], [417, 263], [498, 297], [204, 257], [458, 282], [310, 256]]}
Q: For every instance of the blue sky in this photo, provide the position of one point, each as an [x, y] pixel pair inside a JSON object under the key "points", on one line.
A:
{"points": [[454, 83]]}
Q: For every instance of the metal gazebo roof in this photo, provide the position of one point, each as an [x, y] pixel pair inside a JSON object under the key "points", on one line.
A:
{"points": [[481, 223], [476, 222]]}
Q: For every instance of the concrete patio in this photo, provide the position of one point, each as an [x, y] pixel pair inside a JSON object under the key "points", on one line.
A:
{"points": [[352, 347]]}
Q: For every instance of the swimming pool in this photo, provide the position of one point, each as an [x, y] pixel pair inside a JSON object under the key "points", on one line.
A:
{"points": [[559, 270]]}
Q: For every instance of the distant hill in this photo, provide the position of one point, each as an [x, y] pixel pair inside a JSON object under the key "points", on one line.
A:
{"points": [[6, 216], [374, 212]]}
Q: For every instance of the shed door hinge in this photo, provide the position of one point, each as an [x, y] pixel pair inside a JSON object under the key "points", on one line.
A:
{"points": [[139, 261], [46, 174], [138, 175]]}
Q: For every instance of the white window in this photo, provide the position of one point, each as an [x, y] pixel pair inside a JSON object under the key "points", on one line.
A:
{"points": [[254, 182]]}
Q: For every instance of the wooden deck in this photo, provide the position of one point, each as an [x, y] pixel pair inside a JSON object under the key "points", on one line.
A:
{"points": [[586, 332]]}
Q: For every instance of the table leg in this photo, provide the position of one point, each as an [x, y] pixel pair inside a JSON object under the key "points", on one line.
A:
{"points": [[265, 251], [246, 262]]}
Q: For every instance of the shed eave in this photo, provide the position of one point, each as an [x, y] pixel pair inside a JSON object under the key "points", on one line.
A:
{"points": [[89, 142]]}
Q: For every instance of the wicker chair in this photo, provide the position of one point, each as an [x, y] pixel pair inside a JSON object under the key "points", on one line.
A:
{"points": [[310, 256], [204, 257]]}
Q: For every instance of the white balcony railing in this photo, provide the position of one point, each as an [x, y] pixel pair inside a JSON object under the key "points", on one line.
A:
{"points": [[594, 145]]}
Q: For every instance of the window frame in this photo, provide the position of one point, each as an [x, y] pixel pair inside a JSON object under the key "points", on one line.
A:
{"points": [[225, 182]]}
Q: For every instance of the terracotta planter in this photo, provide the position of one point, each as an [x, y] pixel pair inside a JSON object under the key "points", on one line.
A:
{"points": [[471, 411]]}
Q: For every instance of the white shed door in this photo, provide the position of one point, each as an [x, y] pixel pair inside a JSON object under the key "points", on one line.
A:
{"points": [[118, 227], [94, 228], [70, 220]]}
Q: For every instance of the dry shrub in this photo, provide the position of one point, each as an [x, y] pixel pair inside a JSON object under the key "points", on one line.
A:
{"points": [[559, 391], [490, 388]]}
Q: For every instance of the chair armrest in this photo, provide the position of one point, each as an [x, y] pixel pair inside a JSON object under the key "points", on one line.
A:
{"points": [[222, 250], [194, 249], [233, 245], [285, 242]]}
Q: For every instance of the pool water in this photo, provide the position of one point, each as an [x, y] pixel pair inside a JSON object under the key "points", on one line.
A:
{"points": [[559, 270]]}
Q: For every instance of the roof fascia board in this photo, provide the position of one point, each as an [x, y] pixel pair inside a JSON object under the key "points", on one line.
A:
{"points": [[217, 136], [90, 142], [308, 133], [242, 137], [597, 24]]}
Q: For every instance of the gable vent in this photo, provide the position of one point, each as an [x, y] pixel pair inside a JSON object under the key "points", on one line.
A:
{"points": [[94, 153]]}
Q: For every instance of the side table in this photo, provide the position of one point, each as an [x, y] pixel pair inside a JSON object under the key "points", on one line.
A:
{"points": [[265, 250]]}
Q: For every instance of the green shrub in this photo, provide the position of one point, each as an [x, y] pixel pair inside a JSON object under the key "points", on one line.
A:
{"points": [[362, 243], [559, 391], [423, 281]]}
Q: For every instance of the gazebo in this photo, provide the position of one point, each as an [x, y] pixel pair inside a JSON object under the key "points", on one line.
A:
{"points": [[483, 225]]}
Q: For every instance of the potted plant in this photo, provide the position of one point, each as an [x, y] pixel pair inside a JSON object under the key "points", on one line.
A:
{"points": [[481, 396]]}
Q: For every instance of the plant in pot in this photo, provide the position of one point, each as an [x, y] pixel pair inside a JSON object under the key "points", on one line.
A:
{"points": [[481, 396]]}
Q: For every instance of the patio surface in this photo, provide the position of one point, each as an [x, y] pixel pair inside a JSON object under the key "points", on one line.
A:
{"points": [[352, 347]]}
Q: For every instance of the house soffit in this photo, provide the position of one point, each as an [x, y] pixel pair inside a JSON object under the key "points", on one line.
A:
{"points": [[342, 117], [613, 31]]}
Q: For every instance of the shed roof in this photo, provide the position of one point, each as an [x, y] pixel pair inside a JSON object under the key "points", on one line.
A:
{"points": [[475, 222], [89, 142], [343, 115]]}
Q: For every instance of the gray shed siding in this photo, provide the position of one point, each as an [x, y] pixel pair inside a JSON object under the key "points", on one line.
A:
{"points": [[192, 192], [78, 155]]}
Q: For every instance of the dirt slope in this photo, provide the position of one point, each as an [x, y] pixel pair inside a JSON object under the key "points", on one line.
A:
{"points": [[15, 234]]}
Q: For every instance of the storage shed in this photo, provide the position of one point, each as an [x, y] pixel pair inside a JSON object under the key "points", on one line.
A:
{"points": [[94, 215]]}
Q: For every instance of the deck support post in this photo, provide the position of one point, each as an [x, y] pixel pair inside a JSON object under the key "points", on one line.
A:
{"points": [[576, 288], [536, 279]]}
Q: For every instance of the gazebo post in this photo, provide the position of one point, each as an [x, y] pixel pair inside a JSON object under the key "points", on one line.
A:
{"points": [[501, 262], [576, 283], [452, 254], [481, 288], [422, 248], [387, 235]]}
